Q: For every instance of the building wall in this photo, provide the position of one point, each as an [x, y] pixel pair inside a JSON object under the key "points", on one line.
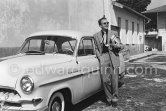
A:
{"points": [[83, 15], [19, 18], [162, 28], [22, 17], [134, 40]]}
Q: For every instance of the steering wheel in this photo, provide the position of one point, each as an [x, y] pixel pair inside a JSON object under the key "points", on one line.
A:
{"points": [[69, 51]]}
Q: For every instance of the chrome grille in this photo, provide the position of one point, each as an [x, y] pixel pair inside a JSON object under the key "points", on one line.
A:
{"points": [[9, 96]]}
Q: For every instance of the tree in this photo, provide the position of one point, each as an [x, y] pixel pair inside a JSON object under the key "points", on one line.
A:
{"points": [[137, 5]]}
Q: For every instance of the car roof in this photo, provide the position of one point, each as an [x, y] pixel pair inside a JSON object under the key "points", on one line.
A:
{"points": [[68, 33]]}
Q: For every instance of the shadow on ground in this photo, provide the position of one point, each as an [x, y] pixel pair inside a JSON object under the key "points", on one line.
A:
{"points": [[92, 102]]}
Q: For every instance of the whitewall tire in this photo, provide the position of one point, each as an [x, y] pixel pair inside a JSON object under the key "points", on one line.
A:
{"points": [[57, 102]]}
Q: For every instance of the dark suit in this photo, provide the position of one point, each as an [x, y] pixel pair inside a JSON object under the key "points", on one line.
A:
{"points": [[114, 63]]}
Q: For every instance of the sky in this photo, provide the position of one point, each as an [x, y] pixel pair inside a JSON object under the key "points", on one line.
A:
{"points": [[156, 3]]}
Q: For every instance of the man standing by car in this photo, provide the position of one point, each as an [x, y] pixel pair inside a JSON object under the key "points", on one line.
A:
{"points": [[108, 52]]}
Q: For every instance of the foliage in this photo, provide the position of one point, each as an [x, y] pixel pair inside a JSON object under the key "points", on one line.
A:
{"points": [[138, 5], [8, 51]]}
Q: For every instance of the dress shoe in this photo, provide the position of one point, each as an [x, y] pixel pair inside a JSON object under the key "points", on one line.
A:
{"points": [[115, 102]]}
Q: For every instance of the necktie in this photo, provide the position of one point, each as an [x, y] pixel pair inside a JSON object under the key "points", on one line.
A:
{"points": [[105, 38]]}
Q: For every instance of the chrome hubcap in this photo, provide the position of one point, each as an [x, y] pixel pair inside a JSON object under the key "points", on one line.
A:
{"points": [[56, 106]]}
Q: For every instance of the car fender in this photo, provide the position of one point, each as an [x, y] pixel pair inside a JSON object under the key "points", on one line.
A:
{"points": [[59, 88]]}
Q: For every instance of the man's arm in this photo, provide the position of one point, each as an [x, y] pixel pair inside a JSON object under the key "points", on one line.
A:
{"points": [[98, 45], [116, 43], [117, 46]]}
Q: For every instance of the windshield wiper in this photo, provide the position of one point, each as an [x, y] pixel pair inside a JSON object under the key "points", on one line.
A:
{"points": [[33, 52]]}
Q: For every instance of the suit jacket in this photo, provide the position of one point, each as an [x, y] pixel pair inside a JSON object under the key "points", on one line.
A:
{"points": [[113, 57]]}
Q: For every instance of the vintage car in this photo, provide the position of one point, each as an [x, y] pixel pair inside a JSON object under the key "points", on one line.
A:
{"points": [[51, 70]]}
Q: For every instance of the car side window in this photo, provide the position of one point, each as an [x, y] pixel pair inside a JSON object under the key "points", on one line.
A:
{"points": [[86, 47], [26, 47], [33, 45]]}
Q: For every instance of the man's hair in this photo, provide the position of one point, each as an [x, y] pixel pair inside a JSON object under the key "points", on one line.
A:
{"points": [[99, 21]]}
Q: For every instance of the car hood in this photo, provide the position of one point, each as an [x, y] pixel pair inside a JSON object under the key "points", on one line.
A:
{"points": [[13, 68]]}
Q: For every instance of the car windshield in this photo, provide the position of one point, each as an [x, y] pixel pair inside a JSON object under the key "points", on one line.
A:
{"points": [[49, 44]]}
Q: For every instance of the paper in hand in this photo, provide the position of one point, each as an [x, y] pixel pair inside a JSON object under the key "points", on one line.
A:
{"points": [[115, 39]]}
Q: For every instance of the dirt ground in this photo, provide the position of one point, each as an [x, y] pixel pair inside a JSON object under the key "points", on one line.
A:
{"points": [[144, 92]]}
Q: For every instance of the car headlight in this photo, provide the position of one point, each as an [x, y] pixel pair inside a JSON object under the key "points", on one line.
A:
{"points": [[27, 84]]}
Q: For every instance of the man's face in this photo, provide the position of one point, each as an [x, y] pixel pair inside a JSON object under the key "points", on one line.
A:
{"points": [[104, 24]]}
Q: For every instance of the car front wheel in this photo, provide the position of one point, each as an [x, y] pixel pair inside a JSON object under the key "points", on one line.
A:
{"points": [[57, 102]]}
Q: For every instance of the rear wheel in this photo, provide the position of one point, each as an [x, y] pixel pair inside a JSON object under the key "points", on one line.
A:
{"points": [[57, 102]]}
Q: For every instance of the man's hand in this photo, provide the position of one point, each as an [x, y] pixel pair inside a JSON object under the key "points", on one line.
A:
{"points": [[106, 45], [117, 46]]}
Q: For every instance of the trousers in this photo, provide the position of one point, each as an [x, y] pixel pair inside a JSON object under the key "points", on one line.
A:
{"points": [[109, 76]]}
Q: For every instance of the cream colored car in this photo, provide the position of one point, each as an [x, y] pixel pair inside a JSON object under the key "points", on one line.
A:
{"points": [[52, 70]]}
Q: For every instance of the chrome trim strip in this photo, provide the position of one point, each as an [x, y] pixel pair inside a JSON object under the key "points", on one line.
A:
{"points": [[77, 76], [91, 72], [20, 101], [69, 78], [7, 87]]}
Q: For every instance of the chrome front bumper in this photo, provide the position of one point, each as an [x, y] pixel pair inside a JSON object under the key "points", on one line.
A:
{"points": [[14, 105], [10, 100], [23, 109]]}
